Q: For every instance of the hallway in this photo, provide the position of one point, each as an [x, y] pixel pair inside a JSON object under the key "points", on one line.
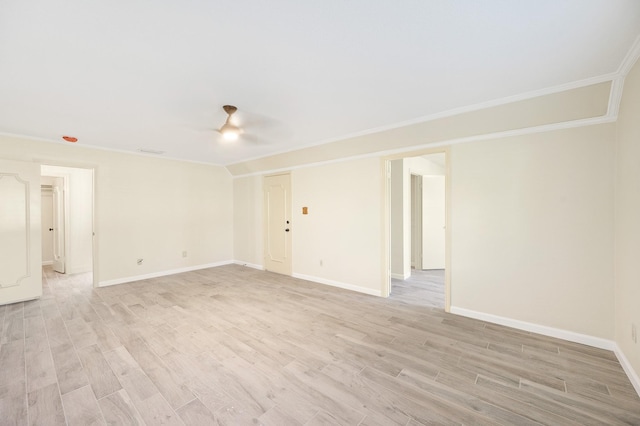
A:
{"points": [[424, 288]]}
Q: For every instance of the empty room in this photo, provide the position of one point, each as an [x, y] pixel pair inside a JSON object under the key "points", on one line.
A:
{"points": [[320, 213]]}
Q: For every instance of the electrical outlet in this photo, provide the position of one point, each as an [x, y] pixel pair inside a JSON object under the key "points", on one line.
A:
{"points": [[634, 333], [184, 253], [140, 261]]}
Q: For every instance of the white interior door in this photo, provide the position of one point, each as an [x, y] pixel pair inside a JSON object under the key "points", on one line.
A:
{"points": [[58, 225], [433, 223], [277, 223], [47, 225], [20, 250]]}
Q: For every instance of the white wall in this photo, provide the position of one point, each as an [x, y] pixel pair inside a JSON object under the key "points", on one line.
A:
{"points": [[425, 165], [627, 231], [398, 250], [248, 199], [147, 208], [569, 105], [532, 227], [80, 210], [433, 222], [341, 230], [343, 226], [157, 209], [532, 235]]}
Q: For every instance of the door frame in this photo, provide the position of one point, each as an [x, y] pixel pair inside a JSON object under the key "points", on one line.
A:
{"points": [[385, 290], [94, 207]]}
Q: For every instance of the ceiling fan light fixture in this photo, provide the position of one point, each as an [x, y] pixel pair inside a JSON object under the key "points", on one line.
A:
{"points": [[229, 131]]}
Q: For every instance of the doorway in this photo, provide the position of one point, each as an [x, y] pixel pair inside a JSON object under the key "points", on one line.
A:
{"points": [[67, 241], [417, 195]]}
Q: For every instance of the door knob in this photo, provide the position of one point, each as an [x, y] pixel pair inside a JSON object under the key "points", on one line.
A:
{"points": [[286, 230], [50, 229]]}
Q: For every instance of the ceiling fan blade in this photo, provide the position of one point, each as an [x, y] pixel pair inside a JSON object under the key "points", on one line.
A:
{"points": [[252, 139]]}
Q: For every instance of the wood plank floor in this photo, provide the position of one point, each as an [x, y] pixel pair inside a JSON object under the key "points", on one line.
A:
{"points": [[237, 346], [423, 287]]}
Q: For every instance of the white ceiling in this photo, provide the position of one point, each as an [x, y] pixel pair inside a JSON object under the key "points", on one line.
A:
{"points": [[154, 74]]}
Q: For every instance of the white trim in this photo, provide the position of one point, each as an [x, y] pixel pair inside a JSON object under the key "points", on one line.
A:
{"points": [[78, 269], [47, 262], [448, 113], [626, 366], [162, 273], [337, 284], [559, 333], [104, 148], [400, 276], [617, 86], [249, 265], [476, 138], [615, 97], [630, 58]]}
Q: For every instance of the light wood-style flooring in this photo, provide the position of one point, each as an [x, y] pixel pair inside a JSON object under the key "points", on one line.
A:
{"points": [[237, 346], [423, 287]]}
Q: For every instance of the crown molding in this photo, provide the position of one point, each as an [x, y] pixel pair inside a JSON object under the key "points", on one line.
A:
{"points": [[413, 148], [615, 96], [101, 148], [630, 58], [617, 86], [448, 113]]}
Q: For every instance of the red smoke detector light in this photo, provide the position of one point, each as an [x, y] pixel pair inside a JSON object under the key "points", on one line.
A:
{"points": [[70, 139]]}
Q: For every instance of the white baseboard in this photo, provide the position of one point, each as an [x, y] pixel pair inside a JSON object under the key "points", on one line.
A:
{"points": [[78, 269], [570, 336], [162, 273], [626, 366], [400, 276], [47, 262], [249, 265], [338, 284]]}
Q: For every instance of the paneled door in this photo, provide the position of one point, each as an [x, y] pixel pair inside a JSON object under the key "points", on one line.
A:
{"points": [[59, 256], [277, 223], [47, 225], [20, 239]]}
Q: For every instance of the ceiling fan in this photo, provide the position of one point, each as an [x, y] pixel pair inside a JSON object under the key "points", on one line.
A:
{"points": [[247, 127], [229, 131]]}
